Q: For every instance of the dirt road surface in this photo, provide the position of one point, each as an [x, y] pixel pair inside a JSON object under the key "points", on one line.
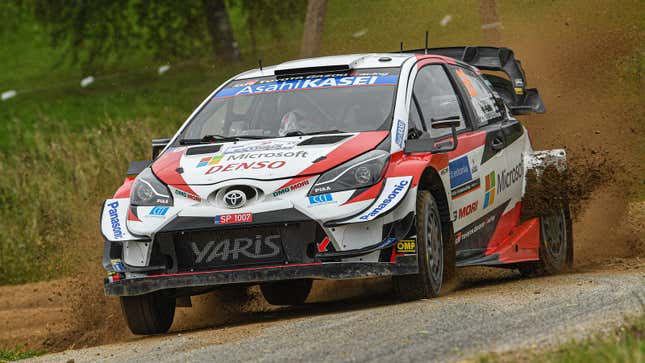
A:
{"points": [[488, 311]]}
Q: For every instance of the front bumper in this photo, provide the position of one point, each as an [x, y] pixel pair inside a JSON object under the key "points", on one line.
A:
{"points": [[402, 265]]}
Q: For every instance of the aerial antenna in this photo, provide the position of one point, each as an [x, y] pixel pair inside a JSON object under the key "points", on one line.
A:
{"points": [[426, 49], [401, 49], [260, 64]]}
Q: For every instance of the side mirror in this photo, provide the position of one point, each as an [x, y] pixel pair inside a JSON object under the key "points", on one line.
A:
{"points": [[426, 145], [158, 145]]}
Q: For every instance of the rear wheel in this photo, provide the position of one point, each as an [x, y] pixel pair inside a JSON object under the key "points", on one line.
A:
{"points": [[290, 292], [435, 264], [556, 245], [149, 314]]}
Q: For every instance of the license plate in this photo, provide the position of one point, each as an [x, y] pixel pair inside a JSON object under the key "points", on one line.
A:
{"points": [[238, 247]]}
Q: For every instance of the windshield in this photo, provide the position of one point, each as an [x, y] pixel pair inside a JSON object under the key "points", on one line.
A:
{"points": [[268, 107]]}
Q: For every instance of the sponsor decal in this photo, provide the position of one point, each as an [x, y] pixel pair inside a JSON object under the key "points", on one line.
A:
{"points": [[400, 133], [473, 165], [266, 145], [489, 197], [233, 249], [113, 212], [321, 199], [443, 171], [470, 231], [320, 189], [519, 91], [467, 82], [406, 246], [249, 83], [518, 82], [308, 83], [291, 188], [507, 178], [234, 218], [468, 210], [398, 189], [462, 190], [289, 154], [210, 160], [117, 265], [253, 165], [188, 195], [459, 171], [158, 211]]}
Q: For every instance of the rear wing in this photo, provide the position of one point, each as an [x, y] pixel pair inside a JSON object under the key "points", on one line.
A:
{"points": [[522, 100]]}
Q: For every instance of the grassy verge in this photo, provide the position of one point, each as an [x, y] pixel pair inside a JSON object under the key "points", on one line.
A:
{"points": [[625, 345], [18, 353], [52, 194]]}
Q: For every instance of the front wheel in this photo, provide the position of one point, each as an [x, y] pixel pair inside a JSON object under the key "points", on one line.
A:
{"points": [[433, 254], [150, 313], [556, 245]]}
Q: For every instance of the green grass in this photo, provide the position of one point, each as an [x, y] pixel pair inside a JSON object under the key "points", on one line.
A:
{"points": [[18, 353], [625, 345]]}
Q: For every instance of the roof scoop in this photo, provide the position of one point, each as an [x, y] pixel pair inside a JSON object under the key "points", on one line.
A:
{"points": [[289, 69]]}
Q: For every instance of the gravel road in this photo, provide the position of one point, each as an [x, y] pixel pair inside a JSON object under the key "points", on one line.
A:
{"points": [[484, 314]]}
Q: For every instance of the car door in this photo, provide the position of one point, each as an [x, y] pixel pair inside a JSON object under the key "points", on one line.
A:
{"points": [[500, 164], [435, 95]]}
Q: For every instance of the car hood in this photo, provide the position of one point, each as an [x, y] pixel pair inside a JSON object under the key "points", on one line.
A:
{"points": [[262, 159]]}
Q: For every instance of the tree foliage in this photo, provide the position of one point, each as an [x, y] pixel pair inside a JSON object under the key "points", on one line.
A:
{"points": [[98, 32]]}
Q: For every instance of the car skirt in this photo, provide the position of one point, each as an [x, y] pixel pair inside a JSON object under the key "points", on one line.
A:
{"points": [[404, 265]]}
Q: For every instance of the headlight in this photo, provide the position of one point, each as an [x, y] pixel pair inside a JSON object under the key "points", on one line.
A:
{"points": [[364, 171], [147, 190]]}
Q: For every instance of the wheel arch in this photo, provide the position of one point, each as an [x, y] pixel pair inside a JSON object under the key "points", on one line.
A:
{"points": [[431, 181]]}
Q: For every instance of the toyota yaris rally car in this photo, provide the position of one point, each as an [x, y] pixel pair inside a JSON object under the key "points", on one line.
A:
{"points": [[356, 166]]}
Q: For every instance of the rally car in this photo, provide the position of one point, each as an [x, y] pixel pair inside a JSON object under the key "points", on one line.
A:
{"points": [[400, 164]]}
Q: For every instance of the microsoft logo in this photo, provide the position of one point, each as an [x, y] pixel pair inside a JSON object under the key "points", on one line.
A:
{"points": [[489, 197], [210, 160]]}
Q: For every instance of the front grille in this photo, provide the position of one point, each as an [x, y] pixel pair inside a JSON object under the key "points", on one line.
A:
{"points": [[208, 249]]}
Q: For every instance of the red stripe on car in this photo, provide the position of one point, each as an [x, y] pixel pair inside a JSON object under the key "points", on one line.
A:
{"points": [[165, 168], [370, 193], [350, 149]]}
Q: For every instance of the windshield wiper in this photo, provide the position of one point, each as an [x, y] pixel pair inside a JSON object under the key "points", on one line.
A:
{"points": [[300, 133], [217, 138]]}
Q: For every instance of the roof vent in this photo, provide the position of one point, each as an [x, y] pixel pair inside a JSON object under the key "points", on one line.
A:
{"points": [[294, 72]]}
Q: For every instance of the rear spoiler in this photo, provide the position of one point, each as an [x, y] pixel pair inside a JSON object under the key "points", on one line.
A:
{"points": [[521, 100]]}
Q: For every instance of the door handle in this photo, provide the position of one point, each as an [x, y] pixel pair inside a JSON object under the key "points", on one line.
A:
{"points": [[497, 143]]}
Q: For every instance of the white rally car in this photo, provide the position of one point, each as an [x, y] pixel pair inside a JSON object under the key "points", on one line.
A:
{"points": [[397, 164]]}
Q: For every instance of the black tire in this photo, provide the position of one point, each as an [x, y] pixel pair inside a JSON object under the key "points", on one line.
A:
{"points": [[149, 314], [434, 254], [290, 292], [556, 245]]}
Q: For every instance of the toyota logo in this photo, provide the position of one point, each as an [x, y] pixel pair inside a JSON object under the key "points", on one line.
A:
{"points": [[235, 199]]}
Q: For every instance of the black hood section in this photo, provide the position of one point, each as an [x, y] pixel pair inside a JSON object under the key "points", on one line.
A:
{"points": [[197, 150], [324, 140]]}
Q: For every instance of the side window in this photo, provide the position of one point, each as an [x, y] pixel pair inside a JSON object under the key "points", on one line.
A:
{"points": [[436, 98], [414, 119], [481, 97]]}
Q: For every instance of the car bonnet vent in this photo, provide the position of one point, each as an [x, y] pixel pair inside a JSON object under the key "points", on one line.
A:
{"points": [[203, 149], [323, 140], [295, 72]]}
